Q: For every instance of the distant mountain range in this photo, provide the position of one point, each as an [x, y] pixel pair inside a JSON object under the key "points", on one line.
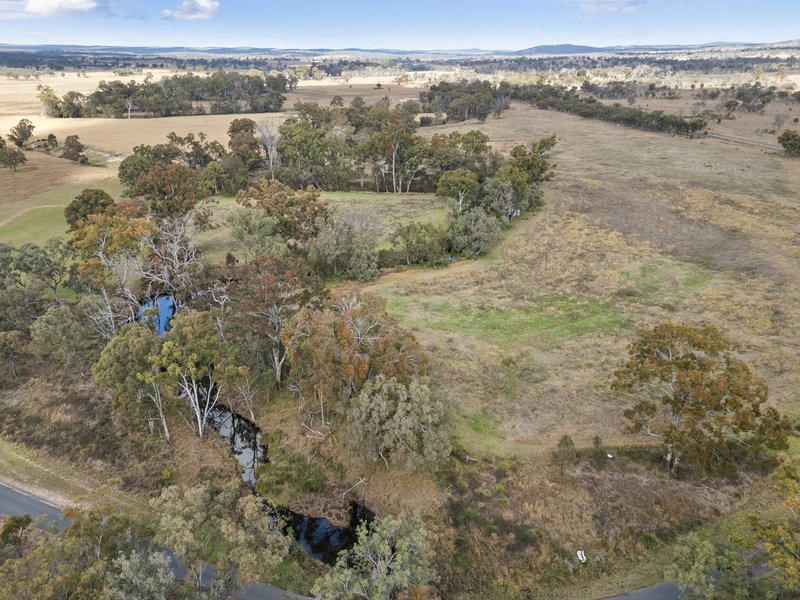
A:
{"points": [[548, 49]]}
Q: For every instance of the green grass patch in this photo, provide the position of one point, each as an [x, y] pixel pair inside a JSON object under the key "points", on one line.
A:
{"points": [[37, 226], [41, 217], [373, 196], [287, 474], [482, 424], [550, 319], [666, 280]]}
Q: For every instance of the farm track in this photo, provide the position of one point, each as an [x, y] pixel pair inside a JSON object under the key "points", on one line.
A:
{"points": [[740, 140], [25, 211]]}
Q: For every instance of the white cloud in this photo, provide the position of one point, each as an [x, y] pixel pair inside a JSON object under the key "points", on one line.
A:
{"points": [[52, 7], [20, 9], [600, 7], [193, 10]]}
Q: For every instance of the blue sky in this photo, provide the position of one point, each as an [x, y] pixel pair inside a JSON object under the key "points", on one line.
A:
{"points": [[407, 24]]}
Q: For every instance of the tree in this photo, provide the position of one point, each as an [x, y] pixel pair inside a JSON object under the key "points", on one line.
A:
{"points": [[270, 138], [49, 264], [242, 140], [194, 152], [399, 422], [298, 212], [61, 336], [171, 262], [170, 191], [474, 232], [228, 175], [535, 161], [705, 572], [88, 202], [139, 576], [564, 454], [9, 273], [12, 345], [110, 246], [780, 536], [72, 149], [421, 242], [255, 233], [790, 140], [335, 351], [397, 152], [460, 189], [264, 297], [197, 362], [125, 370], [143, 159], [19, 306], [394, 555], [210, 523], [76, 562], [50, 101], [704, 404], [12, 158], [13, 533], [21, 133], [344, 246]]}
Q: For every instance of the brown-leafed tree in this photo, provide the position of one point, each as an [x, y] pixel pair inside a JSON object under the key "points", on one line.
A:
{"points": [[297, 212], [88, 202], [264, 297], [170, 191], [705, 405], [336, 350]]}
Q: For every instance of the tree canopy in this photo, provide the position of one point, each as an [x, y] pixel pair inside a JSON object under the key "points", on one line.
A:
{"points": [[706, 406]]}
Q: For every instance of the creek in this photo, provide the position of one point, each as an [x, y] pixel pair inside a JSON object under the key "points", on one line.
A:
{"points": [[317, 536]]}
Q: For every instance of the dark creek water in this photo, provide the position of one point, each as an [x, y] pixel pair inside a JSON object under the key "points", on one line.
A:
{"points": [[318, 537]]}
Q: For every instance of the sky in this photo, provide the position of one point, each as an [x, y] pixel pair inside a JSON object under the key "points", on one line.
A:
{"points": [[404, 25]]}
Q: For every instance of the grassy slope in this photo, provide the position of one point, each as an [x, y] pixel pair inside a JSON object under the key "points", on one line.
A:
{"points": [[55, 481], [638, 229]]}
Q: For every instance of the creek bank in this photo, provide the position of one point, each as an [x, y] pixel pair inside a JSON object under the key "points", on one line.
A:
{"points": [[317, 536]]}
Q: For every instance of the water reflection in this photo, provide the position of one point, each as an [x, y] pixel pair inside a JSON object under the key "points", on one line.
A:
{"points": [[318, 537], [244, 438]]}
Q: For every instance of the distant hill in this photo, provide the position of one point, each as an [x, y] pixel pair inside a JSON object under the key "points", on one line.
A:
{"points": [[561, 49], [306, 53]]}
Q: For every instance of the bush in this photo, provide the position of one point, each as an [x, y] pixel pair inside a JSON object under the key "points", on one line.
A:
{"points": [[399, 422], [60, 335], [790, 140], [344, 248], [564, 454], [420, 242], [474, 233]]}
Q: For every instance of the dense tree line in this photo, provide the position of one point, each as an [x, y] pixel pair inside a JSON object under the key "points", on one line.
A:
{"points": [[465, 100], [226, 92], [568, 100], [723, 64]]}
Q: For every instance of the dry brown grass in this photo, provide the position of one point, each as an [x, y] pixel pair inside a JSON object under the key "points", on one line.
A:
{"points": [[638, 228], [651, 227], [117, 137]]}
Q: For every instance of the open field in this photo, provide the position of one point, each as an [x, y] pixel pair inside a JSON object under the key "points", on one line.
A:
{"points": [[638, 228], [32, 209], [763, 126], [118, 137]]}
